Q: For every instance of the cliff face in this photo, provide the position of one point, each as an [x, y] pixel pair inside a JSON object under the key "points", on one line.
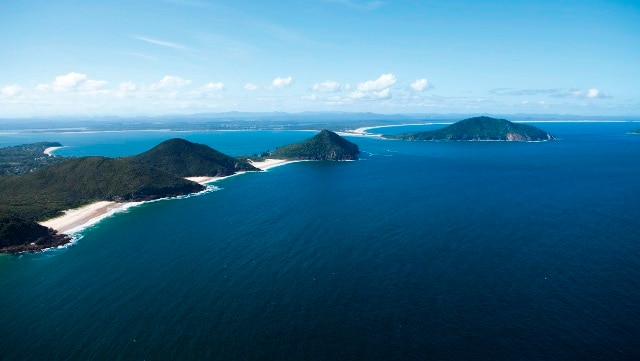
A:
{"points": [[481, 128], [325, 145]]}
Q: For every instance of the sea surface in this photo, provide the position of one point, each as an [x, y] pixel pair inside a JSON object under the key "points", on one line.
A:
{"points": [[417, 251]]}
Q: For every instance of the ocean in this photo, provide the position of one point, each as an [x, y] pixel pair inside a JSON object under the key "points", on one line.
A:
{"points": [[417, 251]]}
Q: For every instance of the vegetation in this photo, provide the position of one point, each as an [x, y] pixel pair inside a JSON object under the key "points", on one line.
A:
{"points": [[78, 181], [325, 145], [70, 183], [480, 128], [21, 159], [17, 234], [186, 159]]}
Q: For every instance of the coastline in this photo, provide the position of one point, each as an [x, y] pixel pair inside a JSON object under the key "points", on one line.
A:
{"points": [[78, 219], [362, 131], [49, 151], [269, 163]]}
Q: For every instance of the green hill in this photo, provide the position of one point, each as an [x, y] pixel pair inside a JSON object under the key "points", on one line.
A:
{"points": [[45, 192], [325, 145], [78, 181], [186, 159], [480, 128]]}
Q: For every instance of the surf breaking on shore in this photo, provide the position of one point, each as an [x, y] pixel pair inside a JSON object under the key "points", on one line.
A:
{"points": [[78, 219]]}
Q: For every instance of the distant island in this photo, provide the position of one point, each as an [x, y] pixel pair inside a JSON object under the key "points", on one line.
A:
{"points": [[480, 128], [46, 190], [325, 145]]}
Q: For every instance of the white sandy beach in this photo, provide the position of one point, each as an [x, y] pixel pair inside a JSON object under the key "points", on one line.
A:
{"points": [[76, 219], [270, 163], [83, 216], [49, 151], [263, 165], [363, 131]]}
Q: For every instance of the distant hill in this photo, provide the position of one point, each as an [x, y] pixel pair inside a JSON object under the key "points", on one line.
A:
{"points": [[186, 159], [25, 158], [480, 128], [325, 145]]}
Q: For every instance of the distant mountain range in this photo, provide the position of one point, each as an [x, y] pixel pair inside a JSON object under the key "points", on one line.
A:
{"points": [[262, 120]]}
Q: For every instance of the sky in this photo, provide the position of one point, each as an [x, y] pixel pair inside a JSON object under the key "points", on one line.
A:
{"points": [[159, 57]]}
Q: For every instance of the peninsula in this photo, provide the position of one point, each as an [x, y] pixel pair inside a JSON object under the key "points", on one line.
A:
{"points": [[74, 182], [478, 129], [81, 188]]}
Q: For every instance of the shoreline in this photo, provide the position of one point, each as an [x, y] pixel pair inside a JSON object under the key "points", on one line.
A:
{"points": [[49, 151], [269, 163], [76, 220]]}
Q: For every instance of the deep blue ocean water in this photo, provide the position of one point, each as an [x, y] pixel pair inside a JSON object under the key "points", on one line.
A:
{"points": [[418, 251]]}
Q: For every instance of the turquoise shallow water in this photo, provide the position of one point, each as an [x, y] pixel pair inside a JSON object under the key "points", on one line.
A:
{"points": [[485, 250]]}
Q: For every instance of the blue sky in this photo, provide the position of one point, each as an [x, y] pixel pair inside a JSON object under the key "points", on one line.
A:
{"points": [[152, 57]]}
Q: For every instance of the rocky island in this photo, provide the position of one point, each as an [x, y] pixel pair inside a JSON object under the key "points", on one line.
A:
{"points": [[478, 129]]}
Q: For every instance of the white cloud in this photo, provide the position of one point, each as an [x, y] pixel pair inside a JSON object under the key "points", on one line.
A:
{"points": [[595, 93], [282, 82], [73, 82], [11, 90], [327, 86], [420, 85], [211, 86], [374, 89], [592, 93], [383, 82], [370, 95], [169, 82], [251, 87], [69, 81], [311, 97]]}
